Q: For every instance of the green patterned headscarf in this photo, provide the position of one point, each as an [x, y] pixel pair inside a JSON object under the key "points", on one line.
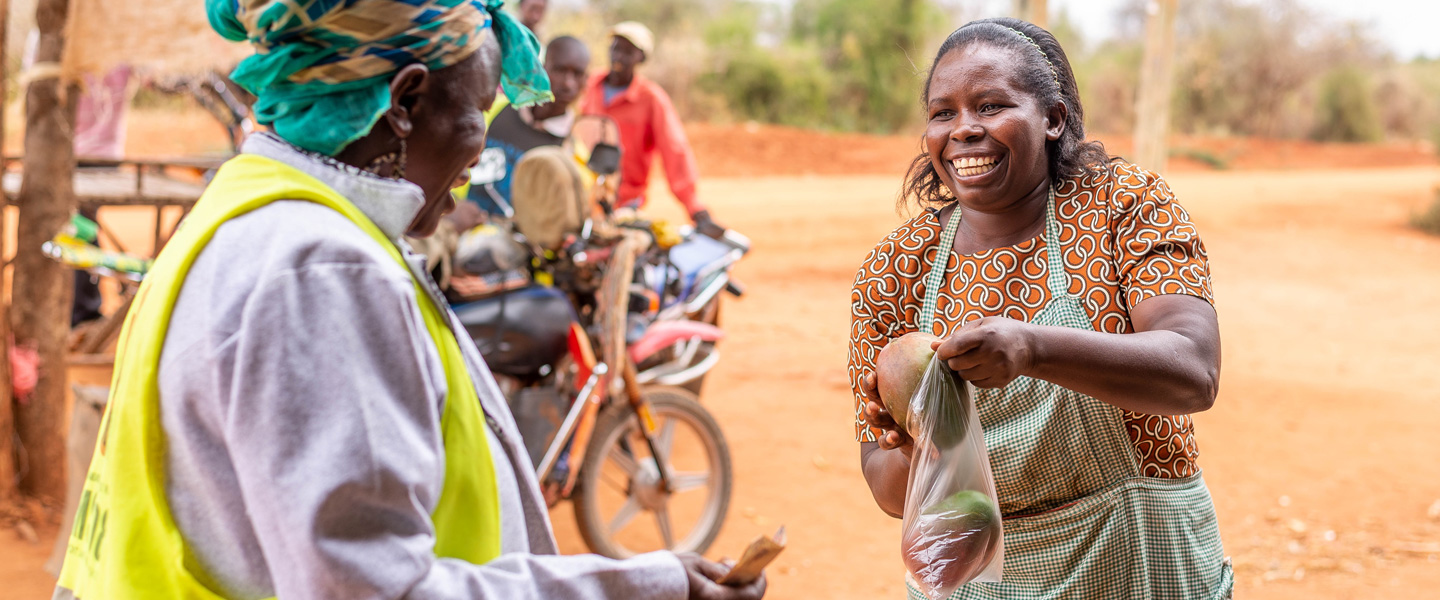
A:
{"points": [[321, 69]]}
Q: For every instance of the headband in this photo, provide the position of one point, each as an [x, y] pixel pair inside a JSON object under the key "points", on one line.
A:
{"points": [[1055, 75]]}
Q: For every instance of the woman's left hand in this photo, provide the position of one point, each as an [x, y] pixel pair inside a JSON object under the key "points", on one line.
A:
{"points": [[990, 352]]}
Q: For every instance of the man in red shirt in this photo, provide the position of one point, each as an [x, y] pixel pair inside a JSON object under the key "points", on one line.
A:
{"points": [[648, 124]]}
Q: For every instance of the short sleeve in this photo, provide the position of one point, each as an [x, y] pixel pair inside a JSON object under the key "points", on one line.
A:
{"points": [[1158, 250], [882, 304], [867, 336]]}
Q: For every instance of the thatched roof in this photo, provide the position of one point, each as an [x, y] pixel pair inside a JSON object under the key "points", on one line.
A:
{"points": [[157, 36]]}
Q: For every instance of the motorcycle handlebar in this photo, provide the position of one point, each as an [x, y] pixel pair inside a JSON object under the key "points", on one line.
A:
{"points": [[736, 240]]}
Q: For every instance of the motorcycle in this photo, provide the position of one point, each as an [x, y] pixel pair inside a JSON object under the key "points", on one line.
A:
{"points": [[601, 358]]}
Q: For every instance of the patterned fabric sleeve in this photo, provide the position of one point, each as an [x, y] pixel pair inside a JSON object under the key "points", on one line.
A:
{"points": [[876, 317], [1158, 250], [866, 340]]}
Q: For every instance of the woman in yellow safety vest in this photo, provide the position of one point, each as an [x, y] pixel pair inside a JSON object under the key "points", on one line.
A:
{"points": [[292, 413]]}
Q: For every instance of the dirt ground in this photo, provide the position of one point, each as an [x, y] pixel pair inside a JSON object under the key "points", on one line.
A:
{"points": [[758, 150], [1320, 451]]}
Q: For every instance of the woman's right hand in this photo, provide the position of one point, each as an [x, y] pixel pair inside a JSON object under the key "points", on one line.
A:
{"points": [[894, 437]]}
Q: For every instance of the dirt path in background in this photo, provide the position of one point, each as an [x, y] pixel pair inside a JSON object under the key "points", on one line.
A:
{"points": [[751, 150], [1320, 451]]}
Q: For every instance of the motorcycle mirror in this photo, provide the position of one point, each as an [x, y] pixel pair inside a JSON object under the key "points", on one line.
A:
{"points": [[604, 159], [490, 169]]}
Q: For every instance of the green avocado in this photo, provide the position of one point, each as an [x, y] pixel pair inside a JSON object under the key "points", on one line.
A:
{"points": [[969, 512], [964, 528], [965, 502]]}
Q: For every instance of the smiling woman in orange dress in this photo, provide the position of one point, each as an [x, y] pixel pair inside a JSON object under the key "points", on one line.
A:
{"points": [[1073, 292]]}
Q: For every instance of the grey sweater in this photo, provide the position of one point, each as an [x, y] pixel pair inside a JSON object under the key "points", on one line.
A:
{"points": [[301, 398]]}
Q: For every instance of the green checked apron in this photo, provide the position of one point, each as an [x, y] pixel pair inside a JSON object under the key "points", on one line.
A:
{"points": [[1080, 520]]}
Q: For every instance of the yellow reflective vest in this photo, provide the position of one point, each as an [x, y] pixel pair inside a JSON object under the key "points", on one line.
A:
{"points": [[125, 543]]}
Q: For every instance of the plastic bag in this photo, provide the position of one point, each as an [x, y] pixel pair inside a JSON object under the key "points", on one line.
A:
{"points": [[952, 533]]}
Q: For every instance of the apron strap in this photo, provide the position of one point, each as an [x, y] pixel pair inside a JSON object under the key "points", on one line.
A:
{"points": [[936, 277], [1056, 276]]}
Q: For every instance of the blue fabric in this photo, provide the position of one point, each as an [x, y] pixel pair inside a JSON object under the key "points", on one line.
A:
{"points": [[322, 78], [611, 92]]}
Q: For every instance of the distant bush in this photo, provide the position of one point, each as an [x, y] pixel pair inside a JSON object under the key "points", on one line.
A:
{"points": [[1237, 75], [1424, 75], [663, 17], [832, 64], [877, 52], [786, 84], [789, 87], [1202, 155], [1429, 220], [1345, 110], [1243, 67], [1108, 80]]}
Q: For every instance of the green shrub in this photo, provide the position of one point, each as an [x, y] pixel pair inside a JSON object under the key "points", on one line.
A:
{"points": [[1345, 109], [834, 64], [786, 84], [876, 52], [1210, 159], [789, 87], [1428, 220]]}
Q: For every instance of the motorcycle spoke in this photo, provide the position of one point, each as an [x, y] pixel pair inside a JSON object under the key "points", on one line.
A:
{"points": [[623, 488], [662, 519], [666, 437], [627, 513], [688, 480], [625, 461]]}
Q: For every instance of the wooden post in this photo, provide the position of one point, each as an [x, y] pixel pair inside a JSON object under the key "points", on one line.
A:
{"points": [[1034, 11], [7, 414], [42, 287], [1157, 74]]}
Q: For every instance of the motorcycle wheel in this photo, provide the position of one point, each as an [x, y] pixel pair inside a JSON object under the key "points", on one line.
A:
{"points": [[619, 480]]}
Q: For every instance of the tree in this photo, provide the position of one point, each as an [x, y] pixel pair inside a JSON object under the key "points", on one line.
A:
{"points": [[7, 404], [42, 287], [1157, 75], [1034, 11]]}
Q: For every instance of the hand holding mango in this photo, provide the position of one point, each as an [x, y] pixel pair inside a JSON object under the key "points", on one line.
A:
{"points": [[900, 369]]}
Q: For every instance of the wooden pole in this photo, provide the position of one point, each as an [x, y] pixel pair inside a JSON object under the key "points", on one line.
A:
{"points": [[42, 287], [1034, 11], [1157, 79], [7, 408]]}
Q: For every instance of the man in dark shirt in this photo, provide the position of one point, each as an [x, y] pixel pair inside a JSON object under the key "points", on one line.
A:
{"points": [[515, 131]]}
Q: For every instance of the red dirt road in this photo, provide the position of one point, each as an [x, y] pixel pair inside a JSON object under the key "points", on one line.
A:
{"points": [[1320, 451]]}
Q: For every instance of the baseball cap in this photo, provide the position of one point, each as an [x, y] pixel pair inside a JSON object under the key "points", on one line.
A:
{"points": [[636, 34]]}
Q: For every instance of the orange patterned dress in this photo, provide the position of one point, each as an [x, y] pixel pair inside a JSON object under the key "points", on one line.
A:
{"points": [[1125, 239]]}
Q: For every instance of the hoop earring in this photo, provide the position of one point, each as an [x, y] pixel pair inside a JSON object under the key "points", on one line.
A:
{"points": [[399, 171], [395, 160]]}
